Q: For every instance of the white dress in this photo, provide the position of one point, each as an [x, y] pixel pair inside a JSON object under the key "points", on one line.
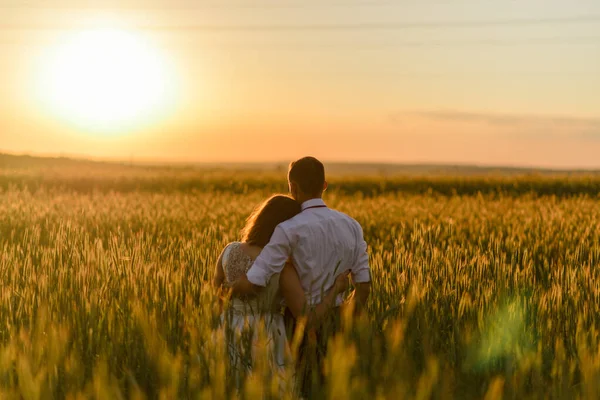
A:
{"points": [[244, 318]]}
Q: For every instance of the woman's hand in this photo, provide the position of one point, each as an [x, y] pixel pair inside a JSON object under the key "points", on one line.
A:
{"points": [[342, 282]]}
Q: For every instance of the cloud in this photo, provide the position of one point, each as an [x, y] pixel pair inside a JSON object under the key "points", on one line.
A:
{"points": [[510, 119], [529, 125]]}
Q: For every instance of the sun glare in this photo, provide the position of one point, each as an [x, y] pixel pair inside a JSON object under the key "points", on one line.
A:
{"points": [[107, 80]]}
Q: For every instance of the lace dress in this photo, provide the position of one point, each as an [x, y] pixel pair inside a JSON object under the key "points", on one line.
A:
{"points": [[245, 317]]}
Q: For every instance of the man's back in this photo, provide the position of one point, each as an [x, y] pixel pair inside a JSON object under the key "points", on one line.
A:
{"points": [[322, 243]]}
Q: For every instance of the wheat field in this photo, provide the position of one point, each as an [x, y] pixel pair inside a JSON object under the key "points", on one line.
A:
{"points": [[483, 287]]}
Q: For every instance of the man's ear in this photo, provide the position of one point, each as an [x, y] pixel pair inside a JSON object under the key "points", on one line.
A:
{"points": [[325, 186]]}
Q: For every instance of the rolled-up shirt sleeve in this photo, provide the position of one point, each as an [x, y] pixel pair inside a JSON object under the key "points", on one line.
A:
{"points": [[361, 272], [271, 259]]}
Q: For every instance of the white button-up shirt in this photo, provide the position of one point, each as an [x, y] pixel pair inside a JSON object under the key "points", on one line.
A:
{"points": [[318, 240]]}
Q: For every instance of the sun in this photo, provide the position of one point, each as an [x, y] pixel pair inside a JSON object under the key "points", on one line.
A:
{"points": [[107, 80]]}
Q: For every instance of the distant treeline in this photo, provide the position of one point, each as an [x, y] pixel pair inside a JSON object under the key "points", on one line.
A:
{"points": [[172, 180]]}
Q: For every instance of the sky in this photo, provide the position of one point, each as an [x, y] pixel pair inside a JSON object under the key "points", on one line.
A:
{"points": [[482, 82]]}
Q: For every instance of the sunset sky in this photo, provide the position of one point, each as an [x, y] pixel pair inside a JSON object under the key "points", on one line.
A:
{"points": [[464, 81]]}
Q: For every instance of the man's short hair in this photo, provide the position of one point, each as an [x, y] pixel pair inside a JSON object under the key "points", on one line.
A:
{"points": [[309, 174]]}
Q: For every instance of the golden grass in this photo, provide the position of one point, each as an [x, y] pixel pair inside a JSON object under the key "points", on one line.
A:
{"points": [[105, 292]]}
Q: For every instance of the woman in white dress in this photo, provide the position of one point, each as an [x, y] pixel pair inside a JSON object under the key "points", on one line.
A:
{"points": [[245, 316]]}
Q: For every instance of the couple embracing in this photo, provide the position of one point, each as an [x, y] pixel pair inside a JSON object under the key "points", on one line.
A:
{"points": [[299, 253]]}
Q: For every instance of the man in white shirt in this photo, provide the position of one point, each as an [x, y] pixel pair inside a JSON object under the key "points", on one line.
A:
{"points": [[321, 242]]}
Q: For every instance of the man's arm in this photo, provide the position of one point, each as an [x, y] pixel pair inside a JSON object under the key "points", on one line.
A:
{"points": [[361, 294], [270, 261], [295, 298], [361, 274]]}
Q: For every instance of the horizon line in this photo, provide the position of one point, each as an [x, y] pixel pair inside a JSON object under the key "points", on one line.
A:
{"points": [[153, 161]]}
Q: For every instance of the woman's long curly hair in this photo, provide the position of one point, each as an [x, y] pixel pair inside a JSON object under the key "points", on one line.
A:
{"points": [[261, 223]]}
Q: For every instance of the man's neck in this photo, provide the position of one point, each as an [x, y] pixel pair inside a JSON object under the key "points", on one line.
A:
{"points": [[302, 200]]}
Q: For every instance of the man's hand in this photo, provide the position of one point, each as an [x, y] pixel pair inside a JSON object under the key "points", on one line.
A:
{"points": [[243, 287]]}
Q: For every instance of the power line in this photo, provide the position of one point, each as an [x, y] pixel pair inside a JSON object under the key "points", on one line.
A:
{"points": [[360, 46], [198, 5], [387, 26], [224, 5], [589, 40], [346, 27]]}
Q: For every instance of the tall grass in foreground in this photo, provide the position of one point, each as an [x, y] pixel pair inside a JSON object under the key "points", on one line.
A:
{"points": [[105, 294]]}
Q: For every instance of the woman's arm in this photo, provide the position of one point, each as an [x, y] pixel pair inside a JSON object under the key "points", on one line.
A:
{"points": [[295, 299], [219, 276], [218, 281]]}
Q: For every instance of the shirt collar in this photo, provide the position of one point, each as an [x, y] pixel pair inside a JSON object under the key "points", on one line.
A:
{"points": [[312, 203]]}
